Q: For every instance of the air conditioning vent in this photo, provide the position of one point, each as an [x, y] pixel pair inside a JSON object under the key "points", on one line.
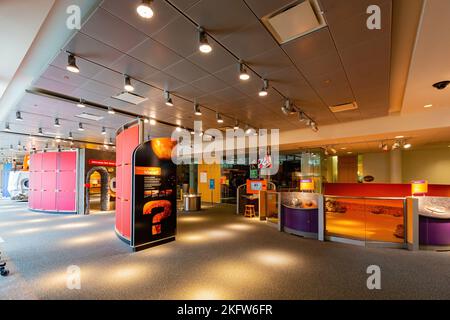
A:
{"points": [[130, 98], [344, 107], [295, 21], [89, 116]]}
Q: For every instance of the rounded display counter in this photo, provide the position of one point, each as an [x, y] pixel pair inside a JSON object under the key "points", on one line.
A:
{"points": [[434, 221], [300, 214]]}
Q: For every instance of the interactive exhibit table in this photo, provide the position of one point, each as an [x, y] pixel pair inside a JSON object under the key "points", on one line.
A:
{"points": [[146, 211], [434, 221]]}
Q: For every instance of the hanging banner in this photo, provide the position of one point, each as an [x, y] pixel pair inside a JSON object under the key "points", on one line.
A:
{"points": [[154, 194]]}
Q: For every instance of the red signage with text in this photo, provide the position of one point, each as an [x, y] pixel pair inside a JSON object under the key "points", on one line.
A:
{"points": [[104, 163]]}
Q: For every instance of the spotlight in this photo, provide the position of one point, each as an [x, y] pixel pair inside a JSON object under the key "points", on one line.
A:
{"points": [[168, 99], [57, 124], [111, 110], [236, 125], [40, 132], [192, 132], [7, 128], [243, 74], [407, 146], [248, 130], [19, 116], [11, 148], [396, 145], [72, 64], [333, 150], [103, 131], [152, 122], [178, 129], [287, 108], [314, 126], [219, 118], [111, 141], [80, 127], [81, 104], [302, 116], [70, 136], [128, 86], [146, 120], [197, 110], [263, 92], [204, 46], [145, 10]]}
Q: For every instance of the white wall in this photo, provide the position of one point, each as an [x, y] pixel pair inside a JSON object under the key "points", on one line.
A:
{"points": [[429, 164], [378, 166]]}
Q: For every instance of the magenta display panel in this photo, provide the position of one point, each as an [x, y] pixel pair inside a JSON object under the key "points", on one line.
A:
{"points": [[53, 181]]}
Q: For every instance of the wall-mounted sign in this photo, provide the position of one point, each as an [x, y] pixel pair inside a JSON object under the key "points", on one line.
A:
{"points": [[255, 186], [102, 163], [154, 194], [253, 173], [203, 177], [419, 187], [212, 184], [369, 179], [307, 185]]}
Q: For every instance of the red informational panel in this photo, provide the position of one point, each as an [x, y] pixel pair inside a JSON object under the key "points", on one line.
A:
{"points": [[126, 142], [53, 181]]}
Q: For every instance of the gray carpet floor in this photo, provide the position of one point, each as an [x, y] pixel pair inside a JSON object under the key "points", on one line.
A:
{"points": [[217, 255]]}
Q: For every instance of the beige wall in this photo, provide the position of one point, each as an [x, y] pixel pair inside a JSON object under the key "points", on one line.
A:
{"points": [[378, 166], [430, 164]]}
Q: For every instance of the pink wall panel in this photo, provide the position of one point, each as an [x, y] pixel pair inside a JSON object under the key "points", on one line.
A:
{"points": [[126, 142], [53, 181]]}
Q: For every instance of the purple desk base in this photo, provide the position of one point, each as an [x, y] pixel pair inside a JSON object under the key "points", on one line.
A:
{"points": [[302, 220], [434, 232]]}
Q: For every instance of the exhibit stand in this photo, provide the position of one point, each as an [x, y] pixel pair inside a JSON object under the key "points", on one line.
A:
{"points": [[146, 211]]}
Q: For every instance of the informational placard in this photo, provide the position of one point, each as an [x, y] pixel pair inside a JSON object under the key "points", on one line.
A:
{"points": [[419, 187], [253, 173], [154, 194], [203, 177], [255, 186], [306, 185], [212, 184]]}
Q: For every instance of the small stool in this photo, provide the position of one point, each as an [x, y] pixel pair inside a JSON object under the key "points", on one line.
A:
{"points": [[249, 211]]}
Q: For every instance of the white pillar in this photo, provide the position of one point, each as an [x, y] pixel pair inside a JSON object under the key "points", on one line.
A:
{"points": [[396, 166]]}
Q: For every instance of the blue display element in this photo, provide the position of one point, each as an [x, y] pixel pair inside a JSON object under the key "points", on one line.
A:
{"points": [[7, 167], [212, 184]]}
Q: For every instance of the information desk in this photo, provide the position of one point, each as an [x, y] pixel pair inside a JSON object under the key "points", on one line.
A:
{"points": [[434, 221]]}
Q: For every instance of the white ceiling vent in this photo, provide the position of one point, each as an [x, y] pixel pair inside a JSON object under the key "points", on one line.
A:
{"points": [[89, 116], [130, 98], [344, 107], [295, 21]]}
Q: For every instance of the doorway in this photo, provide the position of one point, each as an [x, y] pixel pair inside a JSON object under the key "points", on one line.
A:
{"points": [[97, 195]]}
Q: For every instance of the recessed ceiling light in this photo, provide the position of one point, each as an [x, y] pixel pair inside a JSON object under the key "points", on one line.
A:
{"points": [[146, 120], [399, 137], [407, 146], [243, 74], [145, 10], [428, 106], [178, 129], [152, 122], [204, 46], [111, 110], [72, 64], [343, 148]]}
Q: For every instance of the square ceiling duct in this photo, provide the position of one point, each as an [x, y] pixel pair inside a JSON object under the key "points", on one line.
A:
{"points": [[89, 116], [130, 98], [344, 107], [294, 21]]}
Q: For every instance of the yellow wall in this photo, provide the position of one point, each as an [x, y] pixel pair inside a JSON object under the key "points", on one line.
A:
{"points": [[429, 164], [377, 165], [214, 172]]}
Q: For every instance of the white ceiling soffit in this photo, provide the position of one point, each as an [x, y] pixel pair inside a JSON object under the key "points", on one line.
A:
{"points": [[45, 42], [429, 62], [23, 19]]}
